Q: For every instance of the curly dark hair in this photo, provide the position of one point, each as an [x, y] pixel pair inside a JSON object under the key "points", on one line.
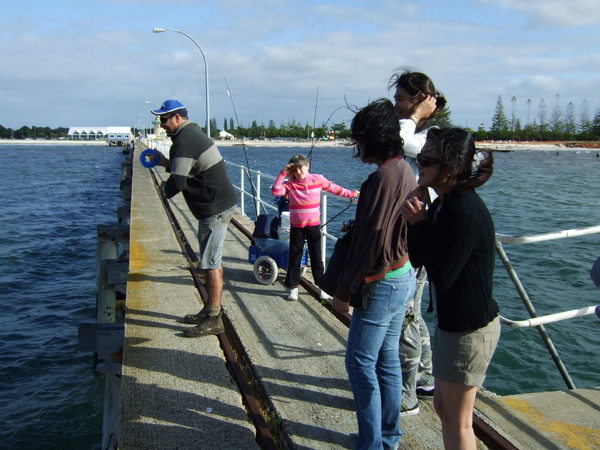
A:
{"points": [[459, 159], [376, 130]]}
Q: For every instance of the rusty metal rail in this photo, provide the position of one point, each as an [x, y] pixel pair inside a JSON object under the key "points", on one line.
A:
{"points": [[264, 437]]}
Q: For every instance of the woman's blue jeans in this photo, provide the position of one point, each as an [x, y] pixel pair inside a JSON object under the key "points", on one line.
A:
{"points": [[373, 361]]}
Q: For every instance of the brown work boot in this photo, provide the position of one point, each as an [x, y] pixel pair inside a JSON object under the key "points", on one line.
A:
{"points": [[196, 318], [208, 325]]}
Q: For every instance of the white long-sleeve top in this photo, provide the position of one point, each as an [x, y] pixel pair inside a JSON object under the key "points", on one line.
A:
{"points": [[413, 142]]}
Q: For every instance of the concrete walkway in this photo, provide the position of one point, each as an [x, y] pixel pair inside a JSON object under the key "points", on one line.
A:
{"points": [[177, 392]]}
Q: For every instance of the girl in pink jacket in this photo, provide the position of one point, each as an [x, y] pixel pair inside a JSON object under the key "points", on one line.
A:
{"points": [[304, 192]]}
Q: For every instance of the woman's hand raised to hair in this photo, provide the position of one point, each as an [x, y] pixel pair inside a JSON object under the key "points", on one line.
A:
{"points": [[425, 109]]}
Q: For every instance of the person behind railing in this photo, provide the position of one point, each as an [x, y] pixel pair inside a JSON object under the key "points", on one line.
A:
{"points": [[417, 102], [378, 280], [455, 240], [303, 189]]}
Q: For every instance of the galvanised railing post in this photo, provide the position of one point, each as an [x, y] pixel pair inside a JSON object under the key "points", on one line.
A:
{"points": [[531, 309], [324, 225], [242, 192], [257, 207]]}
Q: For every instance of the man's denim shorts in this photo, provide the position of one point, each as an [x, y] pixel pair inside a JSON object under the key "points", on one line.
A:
{"points": [[211, 234]]}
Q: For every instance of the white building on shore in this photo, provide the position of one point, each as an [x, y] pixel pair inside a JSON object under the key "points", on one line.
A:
{"points": [[114, 135]]}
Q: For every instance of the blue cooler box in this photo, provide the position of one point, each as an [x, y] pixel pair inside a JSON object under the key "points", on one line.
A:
{"points": [[275, 248]]}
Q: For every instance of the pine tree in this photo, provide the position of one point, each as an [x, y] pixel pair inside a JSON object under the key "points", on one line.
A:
{"points": [[513, 116], [570, 126], [556, 122], [584, 125], [499, 126], [443, 119], [596, 126], [542, 115]]}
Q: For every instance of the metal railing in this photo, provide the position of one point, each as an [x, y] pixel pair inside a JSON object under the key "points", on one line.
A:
{"points": [[254, 188], [535, 320]]}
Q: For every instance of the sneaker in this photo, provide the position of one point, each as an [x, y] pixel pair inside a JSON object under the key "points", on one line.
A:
{"points": [[293, 294], [323, 295], [196, 318], [209, 325], [410, 411], [426, 394]]}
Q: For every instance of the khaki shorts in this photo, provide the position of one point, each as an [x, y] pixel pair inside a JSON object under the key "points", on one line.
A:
{"points": [[464, 357]]}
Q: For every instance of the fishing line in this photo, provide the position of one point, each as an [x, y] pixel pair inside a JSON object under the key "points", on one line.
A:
{"points": [[247, 169], [338, 214], [325, 124], [314, 141]]}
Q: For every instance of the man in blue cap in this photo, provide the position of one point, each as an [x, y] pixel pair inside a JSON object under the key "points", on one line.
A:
{"points": [[198, 171]]}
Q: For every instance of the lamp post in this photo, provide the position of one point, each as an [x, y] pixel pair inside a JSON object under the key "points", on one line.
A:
{"points": [[145, 118], [154, 103], [162, 30]]}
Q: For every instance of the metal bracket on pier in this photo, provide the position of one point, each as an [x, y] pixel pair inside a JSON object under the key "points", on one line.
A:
{"points": [[116, 275], [113, 243]]}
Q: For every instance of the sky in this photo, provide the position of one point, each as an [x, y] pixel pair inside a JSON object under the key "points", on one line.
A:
{"points": [[75, 63]]}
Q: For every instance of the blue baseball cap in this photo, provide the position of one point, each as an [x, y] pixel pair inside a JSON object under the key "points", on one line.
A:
{"points": [[171, 106]]}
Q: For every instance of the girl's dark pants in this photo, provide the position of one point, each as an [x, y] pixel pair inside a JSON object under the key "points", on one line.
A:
{"points": [[312, 235]]}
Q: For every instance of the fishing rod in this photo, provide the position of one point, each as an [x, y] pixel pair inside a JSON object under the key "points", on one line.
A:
{"points": [[313, 142], [338, 214], [247, 170]]}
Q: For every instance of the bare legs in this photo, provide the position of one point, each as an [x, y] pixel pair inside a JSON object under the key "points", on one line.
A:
{"points": [[454, 405], [214, 286]]}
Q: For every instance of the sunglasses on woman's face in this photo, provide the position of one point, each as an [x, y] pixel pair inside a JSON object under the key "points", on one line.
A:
{"points": [[426, 161]]}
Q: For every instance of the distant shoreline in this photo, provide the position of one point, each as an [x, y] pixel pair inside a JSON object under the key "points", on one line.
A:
{"points": [[51, 142], [490, 145]]}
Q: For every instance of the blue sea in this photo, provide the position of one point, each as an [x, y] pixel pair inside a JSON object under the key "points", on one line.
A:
{"points": [[56, 196]]}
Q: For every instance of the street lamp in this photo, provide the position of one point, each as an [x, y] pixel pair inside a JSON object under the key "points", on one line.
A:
{"points": [[145, 118], [162, 30], [154, 103]]}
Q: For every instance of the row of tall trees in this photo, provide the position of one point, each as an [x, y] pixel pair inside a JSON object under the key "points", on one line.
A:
{"points": [[33, 133], [290, 130], [295, 130], [543, 122]]}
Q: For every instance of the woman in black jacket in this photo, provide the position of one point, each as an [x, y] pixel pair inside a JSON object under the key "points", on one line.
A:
{"points": [[455, 240]]}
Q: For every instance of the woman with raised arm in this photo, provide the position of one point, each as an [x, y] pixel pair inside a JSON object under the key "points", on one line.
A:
{"points": [[417, 102]]}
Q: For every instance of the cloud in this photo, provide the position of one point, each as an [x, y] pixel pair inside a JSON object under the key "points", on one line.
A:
{"points": [[544, 13], [98, 64]]}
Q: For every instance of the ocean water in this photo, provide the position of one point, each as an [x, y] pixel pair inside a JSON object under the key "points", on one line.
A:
{"points": [[55, 196], [53, 199]]}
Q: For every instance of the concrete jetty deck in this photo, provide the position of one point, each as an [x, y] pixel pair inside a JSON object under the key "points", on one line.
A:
{"points": [[178, 392]]}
